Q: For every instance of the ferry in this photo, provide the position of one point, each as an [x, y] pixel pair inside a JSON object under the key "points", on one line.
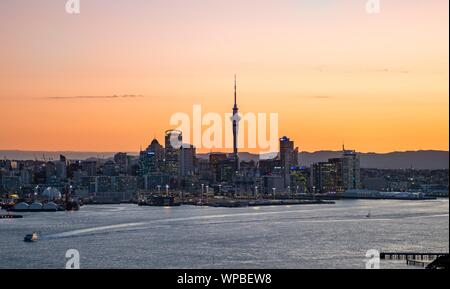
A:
{"points": [[160, 201]]}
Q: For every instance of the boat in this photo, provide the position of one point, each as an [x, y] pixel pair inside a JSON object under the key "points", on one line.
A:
{"points": [[369, 215], [31, 238], [11, 216], [160, 201]]}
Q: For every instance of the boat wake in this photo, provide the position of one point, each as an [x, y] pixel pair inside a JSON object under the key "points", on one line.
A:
{"points": [[91, 230]]}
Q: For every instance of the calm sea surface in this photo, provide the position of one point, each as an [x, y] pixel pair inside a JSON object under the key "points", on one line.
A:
{"points": [[313, 236]]}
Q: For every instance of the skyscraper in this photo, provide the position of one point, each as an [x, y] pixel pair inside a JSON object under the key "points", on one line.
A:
{"points": [[235, 120], [288, 158], [173, 143], [350, 169]]}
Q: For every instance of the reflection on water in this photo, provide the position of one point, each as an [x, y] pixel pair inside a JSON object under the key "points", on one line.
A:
{"points": [[313, 236]]}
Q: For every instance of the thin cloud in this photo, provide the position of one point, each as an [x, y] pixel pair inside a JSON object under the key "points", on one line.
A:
{"points": [[387, 70], [318, 97], [96, 96]]}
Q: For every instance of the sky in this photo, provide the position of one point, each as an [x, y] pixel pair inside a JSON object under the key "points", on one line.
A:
{"points": [[110, 78]]}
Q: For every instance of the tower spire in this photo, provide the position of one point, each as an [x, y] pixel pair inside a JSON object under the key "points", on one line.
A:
{"points": [[235, 91], [235, 120]]}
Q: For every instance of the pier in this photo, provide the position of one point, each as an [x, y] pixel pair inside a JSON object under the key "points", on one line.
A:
{"points": [[412, 256], [424, 260]]}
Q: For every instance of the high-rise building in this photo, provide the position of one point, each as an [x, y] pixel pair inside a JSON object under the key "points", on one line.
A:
{"points": [[325, 177], [351, 170], [173, 142], [151, 159], [187, 160], [288, 158], [61, 168]]}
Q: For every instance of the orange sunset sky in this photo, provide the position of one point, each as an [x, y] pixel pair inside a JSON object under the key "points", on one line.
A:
{"points": [[333, 72]]}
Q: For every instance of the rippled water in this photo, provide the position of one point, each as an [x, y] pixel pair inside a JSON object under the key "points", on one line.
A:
{"points": [[312, 236]]}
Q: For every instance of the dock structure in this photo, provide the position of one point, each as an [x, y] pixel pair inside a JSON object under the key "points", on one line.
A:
{"points": [[412, 256]]}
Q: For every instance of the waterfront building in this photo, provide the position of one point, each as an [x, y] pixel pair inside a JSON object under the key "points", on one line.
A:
{"points": [[338, 174], [288, 158], [272, 183], [324, 177], [121, 160], [187, 160], [11, 183], [351, 170]]}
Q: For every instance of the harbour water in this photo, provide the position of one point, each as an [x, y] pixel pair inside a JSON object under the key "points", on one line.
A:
{"points": [[306, 236]]}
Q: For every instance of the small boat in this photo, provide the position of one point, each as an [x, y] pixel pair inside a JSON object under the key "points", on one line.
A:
{"points": [[31, 238], [369, 215]]}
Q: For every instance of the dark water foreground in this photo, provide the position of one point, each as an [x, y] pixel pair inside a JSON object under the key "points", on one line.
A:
{"points": [[307, 236]]}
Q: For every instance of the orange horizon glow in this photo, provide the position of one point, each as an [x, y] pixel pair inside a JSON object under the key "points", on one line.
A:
{"points": [[109, 79]]}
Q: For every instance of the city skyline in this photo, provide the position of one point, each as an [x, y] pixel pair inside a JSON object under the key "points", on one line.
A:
{"points": [[224, 143], [109, 78]]}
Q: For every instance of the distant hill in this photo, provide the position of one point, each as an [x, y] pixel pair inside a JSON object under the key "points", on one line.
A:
{"points": [[39, 155], [395, 160]]}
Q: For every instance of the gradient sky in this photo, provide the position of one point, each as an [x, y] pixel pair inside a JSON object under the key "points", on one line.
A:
{"points": [[333, 72]]}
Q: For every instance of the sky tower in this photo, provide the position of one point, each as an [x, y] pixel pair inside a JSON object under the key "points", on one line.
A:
{"points": [[235, 120]]}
